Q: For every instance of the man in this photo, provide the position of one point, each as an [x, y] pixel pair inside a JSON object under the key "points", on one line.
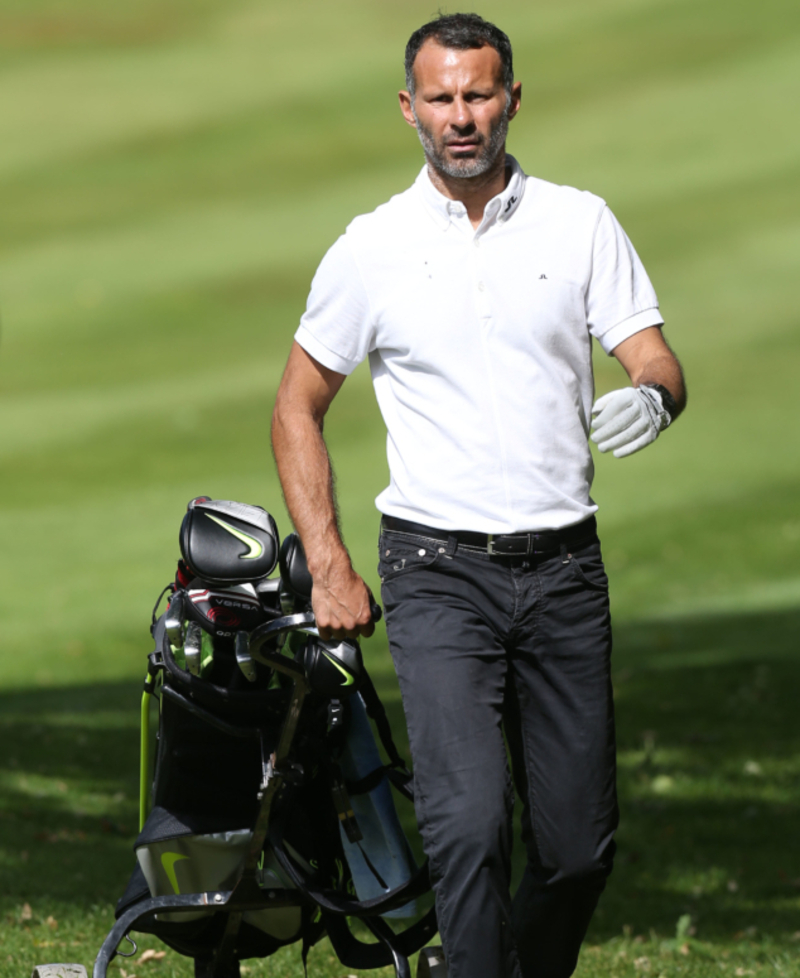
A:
{"points": [[475, 295]]}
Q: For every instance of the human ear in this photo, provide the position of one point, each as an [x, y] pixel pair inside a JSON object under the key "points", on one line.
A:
{"points": [[406, 107]]}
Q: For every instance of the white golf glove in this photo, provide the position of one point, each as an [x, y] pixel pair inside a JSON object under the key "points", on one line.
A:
{"points": [[626, 420]]}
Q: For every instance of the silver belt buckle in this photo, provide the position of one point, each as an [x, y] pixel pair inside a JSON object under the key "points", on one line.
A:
{"points": [[490, 539]]}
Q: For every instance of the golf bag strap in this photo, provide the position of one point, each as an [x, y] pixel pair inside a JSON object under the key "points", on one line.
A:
{"points": [[154, 616], [356, 954], [400, 779], [334, 900], [371, 867], [313, 930], [377, 712], [368, 783], [304, 954], [403, 781]]}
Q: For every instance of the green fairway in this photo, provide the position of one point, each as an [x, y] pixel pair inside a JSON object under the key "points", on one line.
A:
{"points": [[171, 173]]}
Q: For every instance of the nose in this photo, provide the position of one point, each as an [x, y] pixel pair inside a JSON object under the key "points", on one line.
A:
{"points": [[461, 115]]}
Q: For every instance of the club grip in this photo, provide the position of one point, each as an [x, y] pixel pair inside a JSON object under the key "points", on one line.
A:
{"points": [[375, 609]]}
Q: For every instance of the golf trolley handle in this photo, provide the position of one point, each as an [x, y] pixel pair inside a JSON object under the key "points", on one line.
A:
{"points": [[304, 621]]}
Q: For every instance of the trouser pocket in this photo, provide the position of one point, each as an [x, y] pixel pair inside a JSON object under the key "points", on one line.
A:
{"points": [[399, 554], [587, 567]]}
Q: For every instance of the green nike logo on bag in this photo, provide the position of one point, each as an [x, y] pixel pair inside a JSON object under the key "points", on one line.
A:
{"points": [[168, 861], [348, 679], [256, 549]]}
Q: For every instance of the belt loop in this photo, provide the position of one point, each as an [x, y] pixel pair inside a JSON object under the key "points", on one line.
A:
{"points": [[452, 545], [564, 552]]}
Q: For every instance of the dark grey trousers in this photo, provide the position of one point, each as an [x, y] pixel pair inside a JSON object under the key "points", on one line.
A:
{"points": [[486, 646]]}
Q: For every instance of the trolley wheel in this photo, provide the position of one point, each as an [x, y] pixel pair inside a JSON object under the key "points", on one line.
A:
{"points": [[59, 971], [431, 963]]}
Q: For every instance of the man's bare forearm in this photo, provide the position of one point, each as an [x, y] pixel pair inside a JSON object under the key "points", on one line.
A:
{"points": [[665, 371], [340, 598], [649, 360], [306, 475]]}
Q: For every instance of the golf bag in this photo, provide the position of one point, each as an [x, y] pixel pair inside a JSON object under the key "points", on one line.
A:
{"points": [[268, 818]]}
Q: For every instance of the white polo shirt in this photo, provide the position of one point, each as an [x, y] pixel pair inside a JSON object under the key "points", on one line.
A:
{"points": [[479, 342]]}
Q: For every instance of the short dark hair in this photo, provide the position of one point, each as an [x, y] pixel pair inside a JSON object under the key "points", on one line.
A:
{"points": [[461, 31]]}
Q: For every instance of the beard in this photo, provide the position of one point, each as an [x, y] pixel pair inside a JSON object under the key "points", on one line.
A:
{"points": [[488, 150]]}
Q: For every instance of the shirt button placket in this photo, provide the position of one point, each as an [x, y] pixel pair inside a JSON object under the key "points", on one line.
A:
{"points": [[481, 296]]}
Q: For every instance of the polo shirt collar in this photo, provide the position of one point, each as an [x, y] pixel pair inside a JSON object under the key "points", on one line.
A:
{"points": [[442, 209]]}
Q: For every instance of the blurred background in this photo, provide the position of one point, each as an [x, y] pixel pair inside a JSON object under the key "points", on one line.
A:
{"points": [[171, 173]]}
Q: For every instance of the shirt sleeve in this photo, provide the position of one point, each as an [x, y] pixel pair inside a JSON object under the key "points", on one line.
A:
{"points": [[336, 327], [620, 300]]}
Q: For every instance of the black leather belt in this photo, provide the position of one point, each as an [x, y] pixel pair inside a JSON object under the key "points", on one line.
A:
{"points": [[502, 544]]}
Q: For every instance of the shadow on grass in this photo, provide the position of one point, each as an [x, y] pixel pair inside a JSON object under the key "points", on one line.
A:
{"points": [[68, 808], [709, 770], [708, 740]]}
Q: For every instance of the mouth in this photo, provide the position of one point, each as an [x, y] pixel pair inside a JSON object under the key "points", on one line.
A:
{"points": [[465, 145]]}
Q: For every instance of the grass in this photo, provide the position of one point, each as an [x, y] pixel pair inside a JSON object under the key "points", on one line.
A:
{"points": [[170, 175], [708, 782]]}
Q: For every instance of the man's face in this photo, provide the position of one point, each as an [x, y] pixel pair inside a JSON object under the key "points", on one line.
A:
{"points": [[460, 108]]}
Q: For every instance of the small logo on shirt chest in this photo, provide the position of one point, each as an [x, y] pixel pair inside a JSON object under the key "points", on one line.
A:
{"points": [[542, 276]]}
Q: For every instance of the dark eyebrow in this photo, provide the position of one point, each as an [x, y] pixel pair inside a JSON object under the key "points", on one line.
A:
{"points": [[482, 92]]}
